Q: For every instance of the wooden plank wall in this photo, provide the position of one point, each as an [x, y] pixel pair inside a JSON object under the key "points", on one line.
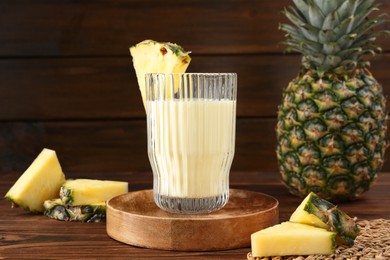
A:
{"points": [[67, 82]]}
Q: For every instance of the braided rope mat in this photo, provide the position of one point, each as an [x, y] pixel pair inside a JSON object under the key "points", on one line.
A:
{"points": [[373, 242]]}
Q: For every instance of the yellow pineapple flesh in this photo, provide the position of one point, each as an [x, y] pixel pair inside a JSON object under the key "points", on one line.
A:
{"points": [[80, 192], [157, 57], [41, 181]]}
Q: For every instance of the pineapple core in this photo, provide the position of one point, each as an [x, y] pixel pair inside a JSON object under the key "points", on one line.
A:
{"points": [[292, 239], [41, 181]]}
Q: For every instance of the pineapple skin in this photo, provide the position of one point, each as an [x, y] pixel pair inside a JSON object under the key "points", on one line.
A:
{"points": [[56, 209], [321, 213], [331, 135]]}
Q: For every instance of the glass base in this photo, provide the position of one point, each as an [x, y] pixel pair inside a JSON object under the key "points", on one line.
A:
{"points": [[191, 205]]}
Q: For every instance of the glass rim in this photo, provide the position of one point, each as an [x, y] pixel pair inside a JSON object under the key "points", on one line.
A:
{"points": [[194, 73]]}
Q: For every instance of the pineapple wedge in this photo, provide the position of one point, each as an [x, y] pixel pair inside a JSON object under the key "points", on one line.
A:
{"points": [[292, 239], [302, 215], [80, 192], [41, 181], [56, 209], [157, 57], [321, 213]]}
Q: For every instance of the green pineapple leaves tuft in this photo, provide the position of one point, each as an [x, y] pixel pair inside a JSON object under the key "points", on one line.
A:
{"points": [[333, 35]]}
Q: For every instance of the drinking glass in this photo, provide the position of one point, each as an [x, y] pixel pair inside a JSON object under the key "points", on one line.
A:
{"points": [[191, 125]]}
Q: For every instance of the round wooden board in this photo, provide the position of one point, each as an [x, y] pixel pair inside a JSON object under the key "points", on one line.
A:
{"points": [[133, 218]]}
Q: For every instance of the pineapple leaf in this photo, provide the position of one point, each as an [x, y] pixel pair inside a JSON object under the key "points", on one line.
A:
{"points": [[327, 6], [326, 36], [302, 7], [332, 60], [370, 24], [346, 8], [345, 26], [371, 49], [346, 41], [295, 20], [298, 40], [290, 30], [297, 13], [349, 52], [310, 32], [323, 31], [331, 48], [330, 20], [321, 5], [360, 17], [349, 64], [315, 15], [312, 46], [365, 5], [293, 46], [292, 33], [317, 59]]}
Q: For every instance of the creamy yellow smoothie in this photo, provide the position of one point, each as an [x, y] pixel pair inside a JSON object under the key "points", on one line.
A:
{"points": [[191, 146]]}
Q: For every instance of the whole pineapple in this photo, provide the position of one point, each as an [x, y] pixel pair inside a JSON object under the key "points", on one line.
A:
{"points": [[332, 121]]}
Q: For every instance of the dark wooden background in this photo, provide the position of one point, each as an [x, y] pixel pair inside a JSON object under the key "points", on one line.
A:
{"points": [[67, 81]]}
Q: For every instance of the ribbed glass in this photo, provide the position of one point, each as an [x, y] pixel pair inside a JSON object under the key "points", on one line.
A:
{"points": [[191, 121]]}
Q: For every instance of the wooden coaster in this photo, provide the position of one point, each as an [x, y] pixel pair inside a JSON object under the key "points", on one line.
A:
{"points": [[133, 218]]}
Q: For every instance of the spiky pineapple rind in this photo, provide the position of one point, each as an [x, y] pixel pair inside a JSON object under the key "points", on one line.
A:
{"points": [[56, 209], [66, 195], [336, 153], [327, 213]]}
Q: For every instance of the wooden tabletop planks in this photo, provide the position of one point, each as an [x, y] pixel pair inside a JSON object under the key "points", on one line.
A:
{"points": [[30, 236]]}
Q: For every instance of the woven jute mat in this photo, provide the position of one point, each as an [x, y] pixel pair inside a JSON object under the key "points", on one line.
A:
{"points": [[373, 242]]}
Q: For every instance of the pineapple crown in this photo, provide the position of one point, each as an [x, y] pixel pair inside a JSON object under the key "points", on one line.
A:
{"points": [[333, 35]]}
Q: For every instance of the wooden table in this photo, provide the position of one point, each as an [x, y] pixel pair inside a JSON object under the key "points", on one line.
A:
{"points": [[29, 236]]}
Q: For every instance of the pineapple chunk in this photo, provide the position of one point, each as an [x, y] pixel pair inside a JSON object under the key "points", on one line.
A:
{"points": [[321, 213], [292, 239], [84, 191], [302, 215], [56, 209], [41, 181], [157, 57]]}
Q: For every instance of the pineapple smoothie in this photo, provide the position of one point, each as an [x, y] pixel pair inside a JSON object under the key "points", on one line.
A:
{"points": [[191, 128], [191, 146]]}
